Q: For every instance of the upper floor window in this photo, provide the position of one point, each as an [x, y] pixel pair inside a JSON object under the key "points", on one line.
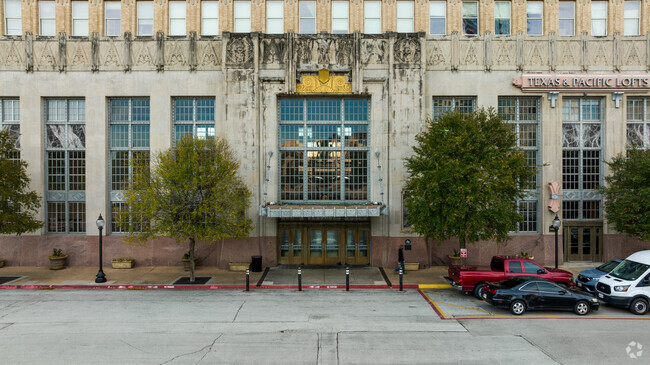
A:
{"points": [[80, 18], [47, 18], [13, 18], [470, 17], [177, 18], [275, 17], [444, 104], [599, 18], [307, 17], [502, 17], [10, 122], [534, 15], [340, 17], [242, 16], [632, 18], [405, 13], [567, 18], [145, 18], [372, 17], [437, 17], [193, 117], [638, 123], [113, 16], [209, 17]]}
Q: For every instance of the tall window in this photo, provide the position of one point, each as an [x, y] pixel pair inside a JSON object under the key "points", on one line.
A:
{"points": [[128, 141], [567, 18], [177, 18], [340, 17], [242, 16], [470, 17], [581, 157], [444, 104], [372, 17], [523, 114], [145, 18], [324, 150], [209, 17], [13, 18], [638, 123], [599, 18], [437, 17], [534, 16], [193, 117], [113, 16], [307, 11], [405, 14], [47, 18], [10, 122], [275, 17], [80, 18], [502, 17], [632, 18], [65, 124]]}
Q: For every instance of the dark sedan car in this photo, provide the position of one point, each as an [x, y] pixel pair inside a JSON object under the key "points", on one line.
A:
{"points": [[529, 293]]}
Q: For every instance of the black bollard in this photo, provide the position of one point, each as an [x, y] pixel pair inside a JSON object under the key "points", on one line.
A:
{"points": [[299, 279], [248, 280], [401, 282], [347, 279]]}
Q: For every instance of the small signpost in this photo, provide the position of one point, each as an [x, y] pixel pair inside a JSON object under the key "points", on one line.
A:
{"points": [[463, 252]]}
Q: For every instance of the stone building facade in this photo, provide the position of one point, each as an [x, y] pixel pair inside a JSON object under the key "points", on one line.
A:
{"points": [[321, 121]]}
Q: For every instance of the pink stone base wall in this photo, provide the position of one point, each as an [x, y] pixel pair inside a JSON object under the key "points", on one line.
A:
{"points": [[619, 246]]}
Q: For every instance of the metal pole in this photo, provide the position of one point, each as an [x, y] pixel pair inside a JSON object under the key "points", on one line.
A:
{"points": [[247, 280], [299, 279], [347, 279], [556, 229], [401, 282], [101, 278]]}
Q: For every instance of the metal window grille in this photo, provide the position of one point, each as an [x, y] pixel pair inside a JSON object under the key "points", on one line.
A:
{"points": [[128, 140], [10, 122], [442, 105], [193, 117], [65, 145], [638, 123], [582, 156], [323, 149], [524, 115]]}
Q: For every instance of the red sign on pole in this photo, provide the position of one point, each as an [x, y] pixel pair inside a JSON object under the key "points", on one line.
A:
{"points": [[463, 252]]}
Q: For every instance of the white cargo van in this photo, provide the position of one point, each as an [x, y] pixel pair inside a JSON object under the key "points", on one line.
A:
{"points": [[628, 285]]}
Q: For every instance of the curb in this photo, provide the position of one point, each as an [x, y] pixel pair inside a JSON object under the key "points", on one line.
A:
{"points": [[212, 287]]}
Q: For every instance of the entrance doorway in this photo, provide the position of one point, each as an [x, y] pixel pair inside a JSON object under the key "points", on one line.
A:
{"points": [[583, 243], [324, 243]]}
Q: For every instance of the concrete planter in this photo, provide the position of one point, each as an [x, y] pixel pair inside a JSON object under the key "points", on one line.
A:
{"points": [[411, 266], [2, 263], [239, 266], [57, 262], [122, 264], [454, 260]]}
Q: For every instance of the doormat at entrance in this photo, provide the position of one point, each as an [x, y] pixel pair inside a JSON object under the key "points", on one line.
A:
{"points": [[198, 280], [6, 279]]}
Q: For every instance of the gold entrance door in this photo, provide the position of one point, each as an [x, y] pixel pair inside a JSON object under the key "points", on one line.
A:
{"points": [[583, 243], [324, 246], [290, 246], [357, 248]]}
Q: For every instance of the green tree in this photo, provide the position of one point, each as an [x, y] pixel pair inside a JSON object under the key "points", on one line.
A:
{"points": [[191, 192], [627, 194], [18, 205], [465, 177]]}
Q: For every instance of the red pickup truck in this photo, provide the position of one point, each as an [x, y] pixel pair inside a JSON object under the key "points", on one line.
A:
{"points": [[471, 278]]}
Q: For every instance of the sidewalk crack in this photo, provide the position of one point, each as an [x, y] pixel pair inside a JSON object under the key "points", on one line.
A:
{"points": [[208, 347], [236, 314]]}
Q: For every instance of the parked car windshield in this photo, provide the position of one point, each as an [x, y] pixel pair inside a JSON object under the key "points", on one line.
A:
{"points": [[608, 266], [629, 270]]}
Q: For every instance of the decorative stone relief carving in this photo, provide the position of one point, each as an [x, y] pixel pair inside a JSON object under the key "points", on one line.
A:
{"points": [[208, 54], [471, 52], [373, 51], [143, 53], [176, 55], [569, 53], [323, 50], [599, 55], [78, 55], [504, 52], [323, 83], [273, 50], [12, 55], [535, 53], [343, 51], [304, 51], [438, 53], [239, 51], [46, 54], [406, 50], [111, 55], [633, 53]]}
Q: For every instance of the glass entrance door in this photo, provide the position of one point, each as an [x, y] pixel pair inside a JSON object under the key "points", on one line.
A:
{"points": [[290, 246], [583, 243], [356, 241]]}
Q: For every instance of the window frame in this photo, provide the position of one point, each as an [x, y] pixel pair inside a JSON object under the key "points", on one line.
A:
{"points": [[337, 15], [437, 17], [642, 123], [177, 23], [468, 17], [242, 16], [367, 19], [14, 18], [205, 20], [302, 16], [76, 20], [599, 17], [11, 124], [196, 123], [509, 18], [539, 19], [454, 102], [41, 18], [405, 16], [572, 19], [627, 19], [273, 6], [108, 20]]}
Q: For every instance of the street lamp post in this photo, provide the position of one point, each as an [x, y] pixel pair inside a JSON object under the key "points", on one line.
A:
{"points": [[555, 226], [101, 278]]}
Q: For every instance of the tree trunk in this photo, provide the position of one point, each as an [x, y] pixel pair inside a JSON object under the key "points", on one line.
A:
{"points": [[192, 243], [463, 244]]}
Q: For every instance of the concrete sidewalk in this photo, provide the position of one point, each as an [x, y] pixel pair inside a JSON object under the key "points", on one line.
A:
{"points": [[275, 276]]}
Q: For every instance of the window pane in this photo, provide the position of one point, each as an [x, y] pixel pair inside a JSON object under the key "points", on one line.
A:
{"points": [[242, 16], [470, 9], [80, 9], [372, 9], [210, 17], [145, 9]]}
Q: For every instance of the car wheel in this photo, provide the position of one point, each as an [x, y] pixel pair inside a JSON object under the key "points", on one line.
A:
{"points": [[581, 308], [478, 291], [518, 307], [639, 306]]}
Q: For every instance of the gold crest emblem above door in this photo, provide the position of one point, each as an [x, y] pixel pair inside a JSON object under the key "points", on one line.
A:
{"points": [[324, 83]]}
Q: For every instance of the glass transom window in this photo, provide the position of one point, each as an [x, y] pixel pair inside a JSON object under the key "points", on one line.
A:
{"points": [[323, 147]]}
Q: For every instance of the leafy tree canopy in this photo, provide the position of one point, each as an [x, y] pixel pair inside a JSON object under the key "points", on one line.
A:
{"points": [[192, 192], [465, 176], [627, 194], [18, 205]]}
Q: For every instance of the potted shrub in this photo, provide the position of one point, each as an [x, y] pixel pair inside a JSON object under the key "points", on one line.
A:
{"points": [[454, 259], [526, 255], [57, 259], [123, 263]]}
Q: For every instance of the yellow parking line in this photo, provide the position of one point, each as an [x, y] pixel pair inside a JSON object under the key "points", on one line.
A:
{"points": [[434, 286], [435, 305], [456, 296]]}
